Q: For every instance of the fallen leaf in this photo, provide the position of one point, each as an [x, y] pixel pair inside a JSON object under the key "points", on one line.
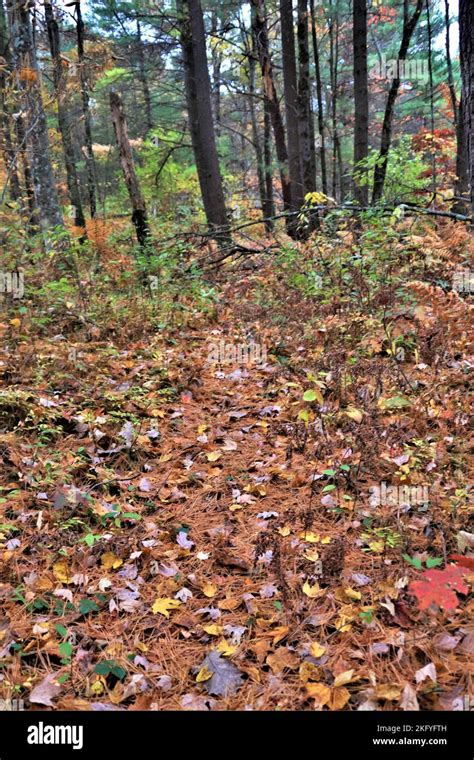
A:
{"points": [[44, 692], [163, 606], [225, 680]]}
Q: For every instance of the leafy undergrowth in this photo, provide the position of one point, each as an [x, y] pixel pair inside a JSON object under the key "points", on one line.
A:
{"points": [[182, 534]]}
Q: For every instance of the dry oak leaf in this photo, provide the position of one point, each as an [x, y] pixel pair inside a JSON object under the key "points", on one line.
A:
{"points": [[439, 587], [45, 691], [282, 660]]}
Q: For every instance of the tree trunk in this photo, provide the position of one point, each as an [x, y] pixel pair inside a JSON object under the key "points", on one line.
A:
{"points": [[255, 131], [409, 24], [269, 207], [139, 217], [290, 84], [143, 78], [198, 97], [361, 93], [35, 125], [89, 154], [466, 49], [461, 187], [10, 158], [333, 67], [259, 25], [317, 67], [216, 56], [305, 116], [64, 120]]}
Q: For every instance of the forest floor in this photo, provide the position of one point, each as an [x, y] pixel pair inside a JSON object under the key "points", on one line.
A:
{"points": [[177, 533]]}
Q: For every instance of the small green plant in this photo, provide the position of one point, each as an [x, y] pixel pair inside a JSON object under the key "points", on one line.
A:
{"points": [[418, 563]]}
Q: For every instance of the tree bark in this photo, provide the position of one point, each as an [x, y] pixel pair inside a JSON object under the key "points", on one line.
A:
{"points": [[305, 116], [64, 119], [361, 94], [143, 78], [466, 49], [290, 85], [317, 67], [86, 112], [139, 217], [36, 129], [198, 97], [269, 207], [10, 157], [251, 57], [272, 104], [409, 24]]}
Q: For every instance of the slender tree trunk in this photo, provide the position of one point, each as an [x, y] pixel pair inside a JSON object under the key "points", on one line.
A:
{"points": [[269, 207], [361, 93], [36, 128], [143, 78], [466, 48], [26, 170], [251, 56], [198, 96], [305, 116], [461, 188], [216, 62], [409, 24], [272, 104], [319, 97], [432, 108], [139, 217], [89, 154], [291, 102], [10, 158], [64, 120], [333, 58], [462, 182]]}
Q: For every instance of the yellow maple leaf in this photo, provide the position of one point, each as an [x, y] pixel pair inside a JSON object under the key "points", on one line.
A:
{"points": [[61, 571], [284, 531], [312, 591], [344, 677], [110, 561], [319, 692], [204, 675], [163, 606], [225, 648], [339, 698], [213, 629], [309, 672], [354, 414], [353, 594], [213, 456], [310, 537], [317, 650], [209, 590]]}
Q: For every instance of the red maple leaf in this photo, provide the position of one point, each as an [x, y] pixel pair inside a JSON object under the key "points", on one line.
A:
{"points": [[439, 586], [460, 559]]}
